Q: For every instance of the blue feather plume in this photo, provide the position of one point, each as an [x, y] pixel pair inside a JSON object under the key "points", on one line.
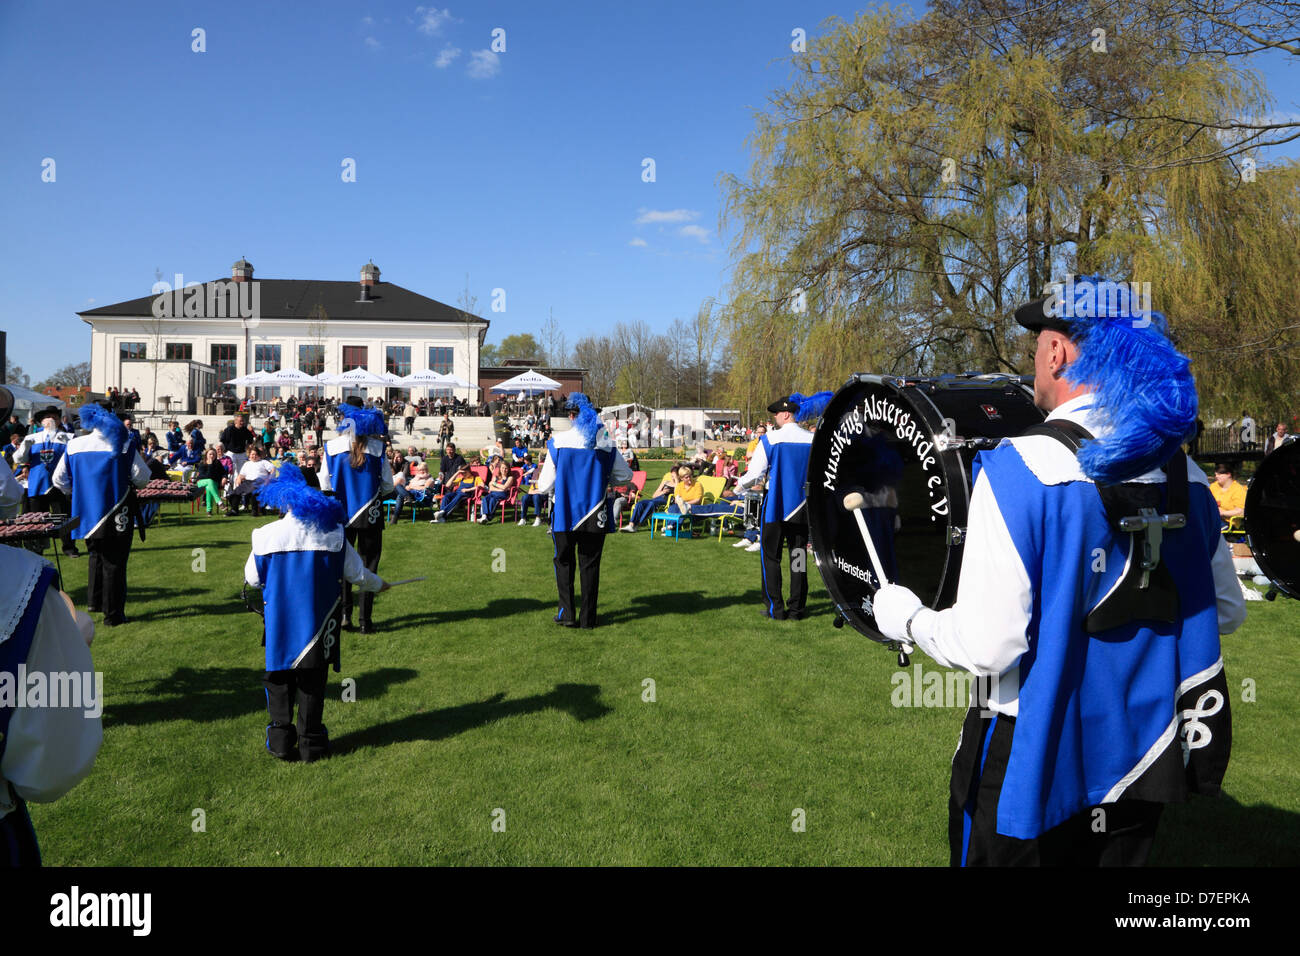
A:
{"points": [[364, 421], [811, 406], [289, 493], [588, 421], [1143, 388], [107, 424]]}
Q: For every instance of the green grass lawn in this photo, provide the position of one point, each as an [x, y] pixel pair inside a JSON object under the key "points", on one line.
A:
{"points": [[471, 699]]}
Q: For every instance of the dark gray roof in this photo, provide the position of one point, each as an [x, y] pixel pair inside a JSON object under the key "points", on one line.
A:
{"points": [[297, 298]]}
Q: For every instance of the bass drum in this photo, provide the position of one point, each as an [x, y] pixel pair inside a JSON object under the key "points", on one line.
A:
{"points": [[1273, 518], [901, 451]]}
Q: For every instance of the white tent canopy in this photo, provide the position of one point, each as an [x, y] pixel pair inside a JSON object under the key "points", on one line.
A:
{"points": [[530, 382], [428, 378], [30, 397]]}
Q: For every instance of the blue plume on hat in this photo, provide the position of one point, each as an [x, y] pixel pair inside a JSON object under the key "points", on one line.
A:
{"points": [[362, 421], [107, 424], [588, 421], [289, 493], [811, 406], [1143, 386]]}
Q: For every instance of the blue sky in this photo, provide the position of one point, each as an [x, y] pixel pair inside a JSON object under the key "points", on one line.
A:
{"points": [[522, 169]]}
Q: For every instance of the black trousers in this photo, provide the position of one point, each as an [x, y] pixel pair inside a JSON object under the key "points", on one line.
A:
{"points": [[107, 566], [369, 544], [18, 846], [304, 686], [588, 546], [410, 425], [774, 536], [1112, 834]]}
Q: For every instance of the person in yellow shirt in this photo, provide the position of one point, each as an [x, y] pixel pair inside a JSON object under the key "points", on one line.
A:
{"points": [[460, 487], [1229, 494], [688, 492]]}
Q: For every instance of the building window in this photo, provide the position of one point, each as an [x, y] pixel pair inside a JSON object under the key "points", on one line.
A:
{"points": [[225, 361], [440, 360], [311, 359], [354, 356], [398, 360], [266, 393], [180, 352], [131, 350], [266, 358]]}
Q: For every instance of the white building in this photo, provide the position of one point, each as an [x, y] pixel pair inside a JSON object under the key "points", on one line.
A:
{"points": [[243, 325]]}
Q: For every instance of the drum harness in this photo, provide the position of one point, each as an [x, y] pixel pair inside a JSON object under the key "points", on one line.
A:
{"points": [[1146, 590]]}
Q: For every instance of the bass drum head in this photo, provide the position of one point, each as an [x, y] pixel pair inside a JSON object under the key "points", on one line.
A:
{"points": [[877, 440], [1273, 517]]}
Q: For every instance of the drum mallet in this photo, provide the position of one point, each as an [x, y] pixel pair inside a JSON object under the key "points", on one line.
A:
{"points": [[854, 501]]}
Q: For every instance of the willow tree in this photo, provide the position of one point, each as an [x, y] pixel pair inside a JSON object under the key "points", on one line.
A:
{"points": [[920, 178]]}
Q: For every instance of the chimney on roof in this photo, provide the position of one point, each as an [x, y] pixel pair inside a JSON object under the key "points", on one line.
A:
{"points": [[369, 277], [242, 271]]}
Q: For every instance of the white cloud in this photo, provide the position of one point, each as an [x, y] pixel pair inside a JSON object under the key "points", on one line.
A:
{"points": [[367, 20], [695, 232], [666, 215], [372, 44], [638, 242], [445, 56], [431, 20], [483, 65]]}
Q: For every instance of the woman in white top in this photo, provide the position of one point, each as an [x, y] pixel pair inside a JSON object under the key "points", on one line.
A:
{"points": [[255, 472]]}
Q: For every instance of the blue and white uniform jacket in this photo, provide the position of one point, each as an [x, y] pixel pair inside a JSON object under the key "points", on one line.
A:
{"points": [[301, 570], [41, 451], [360, 490], [579, 477], [98, 480], [782, 455], [1137, 712], [44, 751]]}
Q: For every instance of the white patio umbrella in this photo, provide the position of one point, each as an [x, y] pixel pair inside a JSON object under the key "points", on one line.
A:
{"points": [[253, 378], [288, 376], [530, 382], [427, 378], [359, 378]]}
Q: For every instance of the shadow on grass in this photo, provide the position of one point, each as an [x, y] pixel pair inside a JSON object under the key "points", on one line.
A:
{"points": [[220, 693], [582, 701], [178, 612], [1208, 831], [187, 547], [501, 607]]}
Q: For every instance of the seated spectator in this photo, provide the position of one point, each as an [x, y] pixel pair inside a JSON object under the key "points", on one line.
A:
{"points": [[688, 494], [209, 474], [284, 441], [189, 457], [451, 463], [628, 455], [257, 471], [459, 487], [528, 492], [417, 489], [311, 468], [500, 487], [518, 452], [642, 510], [1229, 494]]}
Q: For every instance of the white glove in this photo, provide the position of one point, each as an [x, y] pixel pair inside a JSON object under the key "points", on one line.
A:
{"points": [[892, 606]]}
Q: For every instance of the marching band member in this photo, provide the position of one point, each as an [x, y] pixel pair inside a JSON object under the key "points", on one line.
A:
{"points": [[42, 451], [44, 751], [580, 464], [357, 471], [97, 473], [782, 455], [1110, 698], [298, 562]]}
